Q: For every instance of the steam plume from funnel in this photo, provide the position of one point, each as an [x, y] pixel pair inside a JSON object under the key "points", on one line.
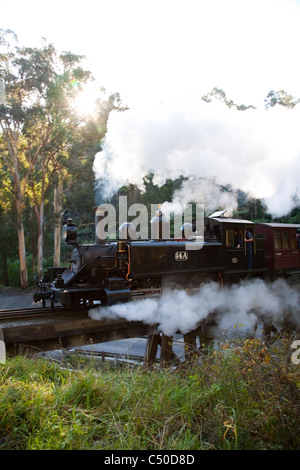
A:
{"points": [[257, 151]]}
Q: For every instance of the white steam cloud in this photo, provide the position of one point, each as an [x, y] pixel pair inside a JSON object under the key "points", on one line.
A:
{"points": [[179, 311], [257, 150], [201, 189]]}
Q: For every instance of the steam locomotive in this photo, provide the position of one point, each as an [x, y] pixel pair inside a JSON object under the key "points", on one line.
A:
{"points": [[111, 271]]}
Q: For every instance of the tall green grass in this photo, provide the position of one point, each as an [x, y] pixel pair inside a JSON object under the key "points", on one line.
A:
{"points": [[239, 397]]}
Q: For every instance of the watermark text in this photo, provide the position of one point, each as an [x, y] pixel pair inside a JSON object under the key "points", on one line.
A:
{"points": [[187, 225], [2, 352], [296, 354]]}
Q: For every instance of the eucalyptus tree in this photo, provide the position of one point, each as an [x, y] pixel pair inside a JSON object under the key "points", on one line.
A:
{"points": [[37, 120], [46, 146]]}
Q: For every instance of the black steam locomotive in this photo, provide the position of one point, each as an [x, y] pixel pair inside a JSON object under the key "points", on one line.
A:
{"points": [[107, 272]]}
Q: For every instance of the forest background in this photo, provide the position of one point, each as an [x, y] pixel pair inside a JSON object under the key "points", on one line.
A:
{"points": [[47, 152]]}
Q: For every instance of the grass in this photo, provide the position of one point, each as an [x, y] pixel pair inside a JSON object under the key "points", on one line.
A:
{"points": [[243, 396]]}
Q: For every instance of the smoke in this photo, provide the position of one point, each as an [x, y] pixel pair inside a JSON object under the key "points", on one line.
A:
{"points": [[179, 311], [211, 194], [257, 151]]}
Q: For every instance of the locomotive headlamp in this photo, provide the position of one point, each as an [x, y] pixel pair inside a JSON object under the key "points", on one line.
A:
{"points": [[69, 233]]}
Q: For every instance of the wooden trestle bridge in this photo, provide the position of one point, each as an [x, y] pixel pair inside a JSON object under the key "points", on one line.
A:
{"points": [[40, 329]]}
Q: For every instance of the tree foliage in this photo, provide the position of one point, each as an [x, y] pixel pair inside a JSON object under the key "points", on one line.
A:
{"points": [[273, 98], [280, 97], [220, 95], [45, 145]]}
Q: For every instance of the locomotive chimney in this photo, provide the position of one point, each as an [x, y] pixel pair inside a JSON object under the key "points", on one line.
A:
{"points": [[160, 227]]}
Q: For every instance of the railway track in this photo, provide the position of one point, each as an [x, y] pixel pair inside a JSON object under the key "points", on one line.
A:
{"points": [[18, 313], [45, 328], [38, 312]]}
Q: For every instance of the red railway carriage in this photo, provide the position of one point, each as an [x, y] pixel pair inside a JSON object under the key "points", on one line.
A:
{"points": [[282, 247]]}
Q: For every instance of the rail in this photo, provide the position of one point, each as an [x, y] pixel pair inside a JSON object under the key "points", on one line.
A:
{"points": [[32, 330], [39, 329], [13, 313]]}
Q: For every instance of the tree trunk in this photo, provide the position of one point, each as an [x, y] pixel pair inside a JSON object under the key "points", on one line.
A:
{"points": [[40, 241], [58, 191], [22, 257], [21, 242]]}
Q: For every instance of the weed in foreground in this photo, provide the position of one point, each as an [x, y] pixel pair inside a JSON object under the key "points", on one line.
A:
{"points": [[241, 396]]}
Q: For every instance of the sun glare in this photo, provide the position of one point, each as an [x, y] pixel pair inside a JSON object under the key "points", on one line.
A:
{"points": [[85, 101]]}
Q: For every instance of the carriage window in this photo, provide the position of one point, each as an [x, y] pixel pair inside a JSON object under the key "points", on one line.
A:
{"points": [[285, 239], [293, 243], [281, 239], [277, 240]]}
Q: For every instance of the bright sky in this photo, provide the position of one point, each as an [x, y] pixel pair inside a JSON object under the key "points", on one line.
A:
{"points": [[171, 52], [166, 48]]}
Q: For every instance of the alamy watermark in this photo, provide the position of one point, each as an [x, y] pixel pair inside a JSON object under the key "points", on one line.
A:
{"points": [[2, 92], [2, 349], [296, 354], [187, 225]]}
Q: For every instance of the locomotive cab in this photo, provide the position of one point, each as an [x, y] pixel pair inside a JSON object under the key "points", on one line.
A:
{"points": [[239, 256]]}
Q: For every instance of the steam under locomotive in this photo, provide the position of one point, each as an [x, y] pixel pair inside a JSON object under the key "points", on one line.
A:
{"points": [[107, 271]]}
